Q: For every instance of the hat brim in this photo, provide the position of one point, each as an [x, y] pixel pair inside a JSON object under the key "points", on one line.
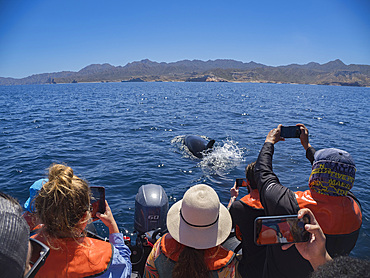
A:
{"points": [[198, 237], [27, 204], [34, 190]]}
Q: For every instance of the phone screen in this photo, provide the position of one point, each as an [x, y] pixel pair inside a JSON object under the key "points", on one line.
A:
{"points": [[280, 229], [241, 183], [97, 200], [290, 132]]}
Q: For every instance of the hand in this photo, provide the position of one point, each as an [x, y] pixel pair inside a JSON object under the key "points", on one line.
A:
{"points": [[304, 136], [234, 191], [274, 135], [313, 250], [108, 219]]}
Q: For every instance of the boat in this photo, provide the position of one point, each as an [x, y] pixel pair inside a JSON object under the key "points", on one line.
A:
{"points": [[151, 207]]}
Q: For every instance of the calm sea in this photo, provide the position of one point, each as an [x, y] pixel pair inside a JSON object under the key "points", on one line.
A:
{"points": [[124, 135]]}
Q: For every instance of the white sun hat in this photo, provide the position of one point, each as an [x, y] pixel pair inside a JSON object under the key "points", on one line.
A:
{"points": [[199, 220]]}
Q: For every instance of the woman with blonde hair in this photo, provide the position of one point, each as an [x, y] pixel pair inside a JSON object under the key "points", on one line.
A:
{"points": [[197, 226], [63, 207]]}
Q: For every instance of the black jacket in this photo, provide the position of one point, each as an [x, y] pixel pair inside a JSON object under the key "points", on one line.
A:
{"points": [[243, 213], [280, 200]]}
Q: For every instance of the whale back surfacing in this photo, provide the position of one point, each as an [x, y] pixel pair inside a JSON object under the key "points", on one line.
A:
{"points": [[197, 145]]}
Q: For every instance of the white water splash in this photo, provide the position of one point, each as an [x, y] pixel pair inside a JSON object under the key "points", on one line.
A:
{"points": [[224, 157]]}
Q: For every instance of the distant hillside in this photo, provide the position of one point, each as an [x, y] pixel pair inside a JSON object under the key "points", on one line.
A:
{"points": [[221, 70]]}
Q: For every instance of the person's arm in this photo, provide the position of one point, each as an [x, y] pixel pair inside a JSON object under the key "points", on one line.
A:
{"points": [[310, 151], [275, 198], [234, 192], [108, 219], [310, 154], [121, 263], [314, 250]]}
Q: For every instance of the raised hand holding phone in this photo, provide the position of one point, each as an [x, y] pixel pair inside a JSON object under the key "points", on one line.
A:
{"points": [[241, 183], [234, 192], [108, 219], [281, 229], [314, 249], [97, 201]]}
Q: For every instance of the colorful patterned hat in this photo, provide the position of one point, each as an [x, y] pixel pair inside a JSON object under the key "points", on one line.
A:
{"points": [[333, 172]]}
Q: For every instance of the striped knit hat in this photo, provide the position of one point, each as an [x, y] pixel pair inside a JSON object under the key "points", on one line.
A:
{"points": [[14, 237]]}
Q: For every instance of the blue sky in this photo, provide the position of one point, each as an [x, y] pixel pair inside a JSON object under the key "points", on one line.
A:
{"points": [[38, 36]]}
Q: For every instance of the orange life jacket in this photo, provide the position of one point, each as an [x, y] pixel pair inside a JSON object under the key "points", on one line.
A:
{"points": [[76, 259], [335, 214], [253, 200], [215, 258]]}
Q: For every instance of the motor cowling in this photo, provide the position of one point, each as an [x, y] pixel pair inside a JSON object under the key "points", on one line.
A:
{"points": [[151, 207]]}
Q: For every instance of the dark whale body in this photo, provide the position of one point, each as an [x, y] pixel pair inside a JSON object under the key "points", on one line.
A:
{"points": [[197, 145]]}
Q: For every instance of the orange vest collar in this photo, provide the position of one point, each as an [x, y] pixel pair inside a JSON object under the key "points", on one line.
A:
{"points": [[335, 214], [215, 258], [253, 199], [90, 257]]}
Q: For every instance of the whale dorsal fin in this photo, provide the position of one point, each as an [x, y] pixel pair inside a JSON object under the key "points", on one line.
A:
{"points": [[210, 144]]}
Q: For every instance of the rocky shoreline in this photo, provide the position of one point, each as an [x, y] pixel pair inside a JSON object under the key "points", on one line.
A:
{"points": [[332, 73]]}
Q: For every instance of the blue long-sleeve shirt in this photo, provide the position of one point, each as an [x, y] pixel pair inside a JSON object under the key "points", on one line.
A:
{"points": [[121, 263]]}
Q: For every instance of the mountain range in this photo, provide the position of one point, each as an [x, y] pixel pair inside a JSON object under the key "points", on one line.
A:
{"points": [[220, 70]]}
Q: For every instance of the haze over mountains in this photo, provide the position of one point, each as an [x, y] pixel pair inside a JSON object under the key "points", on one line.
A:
{"points": [[221, 70]]}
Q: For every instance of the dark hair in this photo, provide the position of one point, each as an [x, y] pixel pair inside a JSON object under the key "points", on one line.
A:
{"points": [[12, 200], [343, 267], [191, 264], [249, 174]]}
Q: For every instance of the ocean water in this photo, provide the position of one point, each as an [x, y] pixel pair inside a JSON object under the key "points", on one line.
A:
{"points": [[124, 135]]}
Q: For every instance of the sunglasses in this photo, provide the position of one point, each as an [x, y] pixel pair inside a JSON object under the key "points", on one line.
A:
{"points": [[39, 254]]}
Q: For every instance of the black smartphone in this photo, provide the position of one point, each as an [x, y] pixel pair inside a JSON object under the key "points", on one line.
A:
{"points": [[241, 183], [97, 200], [39, 254], [283, 229], [290, 132]]}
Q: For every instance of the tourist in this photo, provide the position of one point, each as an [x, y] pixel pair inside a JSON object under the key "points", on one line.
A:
{"points": [[63, 206], [16, 249], [335, 207], [243, 214], [197, 226]]}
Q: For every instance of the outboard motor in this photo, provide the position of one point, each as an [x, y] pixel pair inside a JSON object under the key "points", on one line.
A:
{"points": [[151, 207]]}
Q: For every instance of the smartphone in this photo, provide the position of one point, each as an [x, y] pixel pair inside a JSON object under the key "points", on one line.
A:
{"points": [[39, 254], [241, 183], [97, 200], [283, 229], [290, 132]]}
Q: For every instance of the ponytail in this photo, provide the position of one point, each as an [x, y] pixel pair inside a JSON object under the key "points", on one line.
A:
{"points": [[62, 202]]}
